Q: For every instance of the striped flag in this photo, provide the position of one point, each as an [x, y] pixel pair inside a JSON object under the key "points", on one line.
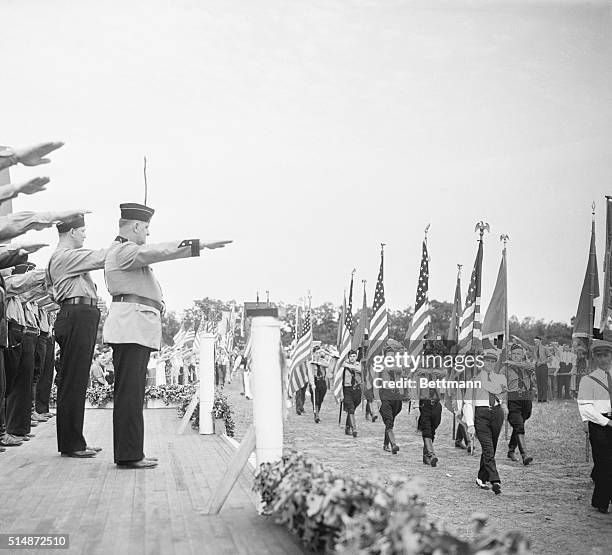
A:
{"points": [[197, 340], [379, 324], [455, 321], [345, 345], [298, 372], [179, 338], [470, 336], [422, 318], [190, 335]]}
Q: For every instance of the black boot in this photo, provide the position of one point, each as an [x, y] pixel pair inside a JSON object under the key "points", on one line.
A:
{"points": [[353, 424], [429, 457], [522, 448], [394, 446]]}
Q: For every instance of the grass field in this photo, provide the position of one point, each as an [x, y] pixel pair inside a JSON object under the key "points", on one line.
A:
{"points": [[548, 500]]}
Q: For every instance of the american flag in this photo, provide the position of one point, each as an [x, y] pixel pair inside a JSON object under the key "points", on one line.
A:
{"points": [[179, 338], [470, 336], [298, 372], [379, 324], [190, 335], [422, 318], [346, 342]]}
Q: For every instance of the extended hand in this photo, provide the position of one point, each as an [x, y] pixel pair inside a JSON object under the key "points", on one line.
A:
{"points": [[215, 244], [35, 155], [35, 185], [29, 248], [69, 214]]}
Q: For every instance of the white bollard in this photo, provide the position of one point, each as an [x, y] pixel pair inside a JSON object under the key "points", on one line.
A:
{"points": [[267, 389], [207, 382]]}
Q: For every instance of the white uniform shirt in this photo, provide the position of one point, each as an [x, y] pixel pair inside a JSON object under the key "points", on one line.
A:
{"points": [[593, 399]]}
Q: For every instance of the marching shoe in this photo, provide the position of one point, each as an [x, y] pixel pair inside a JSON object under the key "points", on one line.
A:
{"points": [[602, 510], [386, 448], [20, 438], [33, 423], [48, 414], [470, 448], [154, 459], [354, 433], [481, 484], [459, 444], [10, 441], [144, 463], [526, 458], [38, 417], [394, 448], [2, 449], [496, 487], [85, 454], [512, 455], [348, 431], [96, 449]]}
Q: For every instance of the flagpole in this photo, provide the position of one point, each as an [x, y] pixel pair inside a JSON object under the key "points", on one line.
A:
{"points": [[504, 239]]}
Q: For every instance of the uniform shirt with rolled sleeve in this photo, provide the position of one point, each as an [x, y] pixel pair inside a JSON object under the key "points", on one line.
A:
{"points": [[19, 223], [593, 399], [68, 272], [19, 285], [494, 384]]}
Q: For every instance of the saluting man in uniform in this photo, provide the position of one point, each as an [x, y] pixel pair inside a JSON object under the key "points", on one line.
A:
{"points": [[595, 406], [133, 326], [76, 329]]}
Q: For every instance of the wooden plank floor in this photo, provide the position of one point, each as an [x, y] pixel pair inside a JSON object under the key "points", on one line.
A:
{"points": [[156, 511]]}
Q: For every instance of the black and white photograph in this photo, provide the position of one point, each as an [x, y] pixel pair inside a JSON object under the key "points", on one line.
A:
{"points": [[306, 276]]}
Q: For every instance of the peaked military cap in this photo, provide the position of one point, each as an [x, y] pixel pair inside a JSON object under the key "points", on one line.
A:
{"points": [[490, 354], [135, 211], [600, 345], [73, 223], [23, 268]]}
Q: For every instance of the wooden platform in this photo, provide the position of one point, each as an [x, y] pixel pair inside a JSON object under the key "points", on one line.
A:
{"points": [[155, 511]]}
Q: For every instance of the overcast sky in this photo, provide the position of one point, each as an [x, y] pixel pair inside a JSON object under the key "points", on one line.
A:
{"points": [[310, 131]]}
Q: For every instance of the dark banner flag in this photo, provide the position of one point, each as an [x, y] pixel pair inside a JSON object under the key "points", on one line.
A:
{"points": [[606, 305], [583, 323]]}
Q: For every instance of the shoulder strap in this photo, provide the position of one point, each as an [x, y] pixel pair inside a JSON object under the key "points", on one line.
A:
{"points": [[599, 382]]}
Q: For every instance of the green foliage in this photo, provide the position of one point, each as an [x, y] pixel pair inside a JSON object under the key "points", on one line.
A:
{"points": [[330, 512], [221, 409]]}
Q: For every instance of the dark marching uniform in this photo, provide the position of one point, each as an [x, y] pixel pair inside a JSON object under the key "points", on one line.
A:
{"points": [[351, 389], [133, 326], [430, 411], [521, 392], [484, 411], [319, 375], [595, 406], [76, 328], [391, 400]]}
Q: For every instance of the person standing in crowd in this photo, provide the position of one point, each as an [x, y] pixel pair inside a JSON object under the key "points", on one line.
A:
{"points": [[351, 388], [430, 407], [47, 312], [318, 367], [300, 399], [541, 359], [223, 361], [554, 352], [76, 329], [595, 407], [389, 399], [133, 326], [485, 411], [567, 369], [96, 372], [520, 376]]}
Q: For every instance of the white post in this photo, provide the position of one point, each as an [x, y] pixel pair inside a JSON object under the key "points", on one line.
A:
{"points": [[267, 389], [207, 382]]}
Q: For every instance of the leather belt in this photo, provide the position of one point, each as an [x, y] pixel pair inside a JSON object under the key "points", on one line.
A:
{"points": [[81, 300], [607, 414], [45, 334], [137, 299], [31, 329]]}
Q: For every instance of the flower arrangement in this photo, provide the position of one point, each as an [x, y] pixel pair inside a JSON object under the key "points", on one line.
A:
{"points": [[221, 410], [331, 512], [99, 395], [53, 395]]}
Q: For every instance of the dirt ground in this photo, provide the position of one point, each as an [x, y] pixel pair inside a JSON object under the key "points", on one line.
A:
{"points": [[549, 500]]}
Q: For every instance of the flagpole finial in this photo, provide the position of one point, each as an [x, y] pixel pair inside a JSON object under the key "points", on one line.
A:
{"points": [[267, 297], [353, 272], [382, 247], [481, 227], [459, 266], [504, 239], [593, 209]]}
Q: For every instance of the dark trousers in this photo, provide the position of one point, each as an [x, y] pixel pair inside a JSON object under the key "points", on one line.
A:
{"points": [[300, 398], [430, 415], [76, 328], [563, 382], [19, 394], [40, 354], [130, 361], [221, 371], [352, 398], [542, 381], [10, 360], [389, 409], [43, 388], [319, 393], [601, 446], [488, 424], [2, 394], [519, 410]]}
